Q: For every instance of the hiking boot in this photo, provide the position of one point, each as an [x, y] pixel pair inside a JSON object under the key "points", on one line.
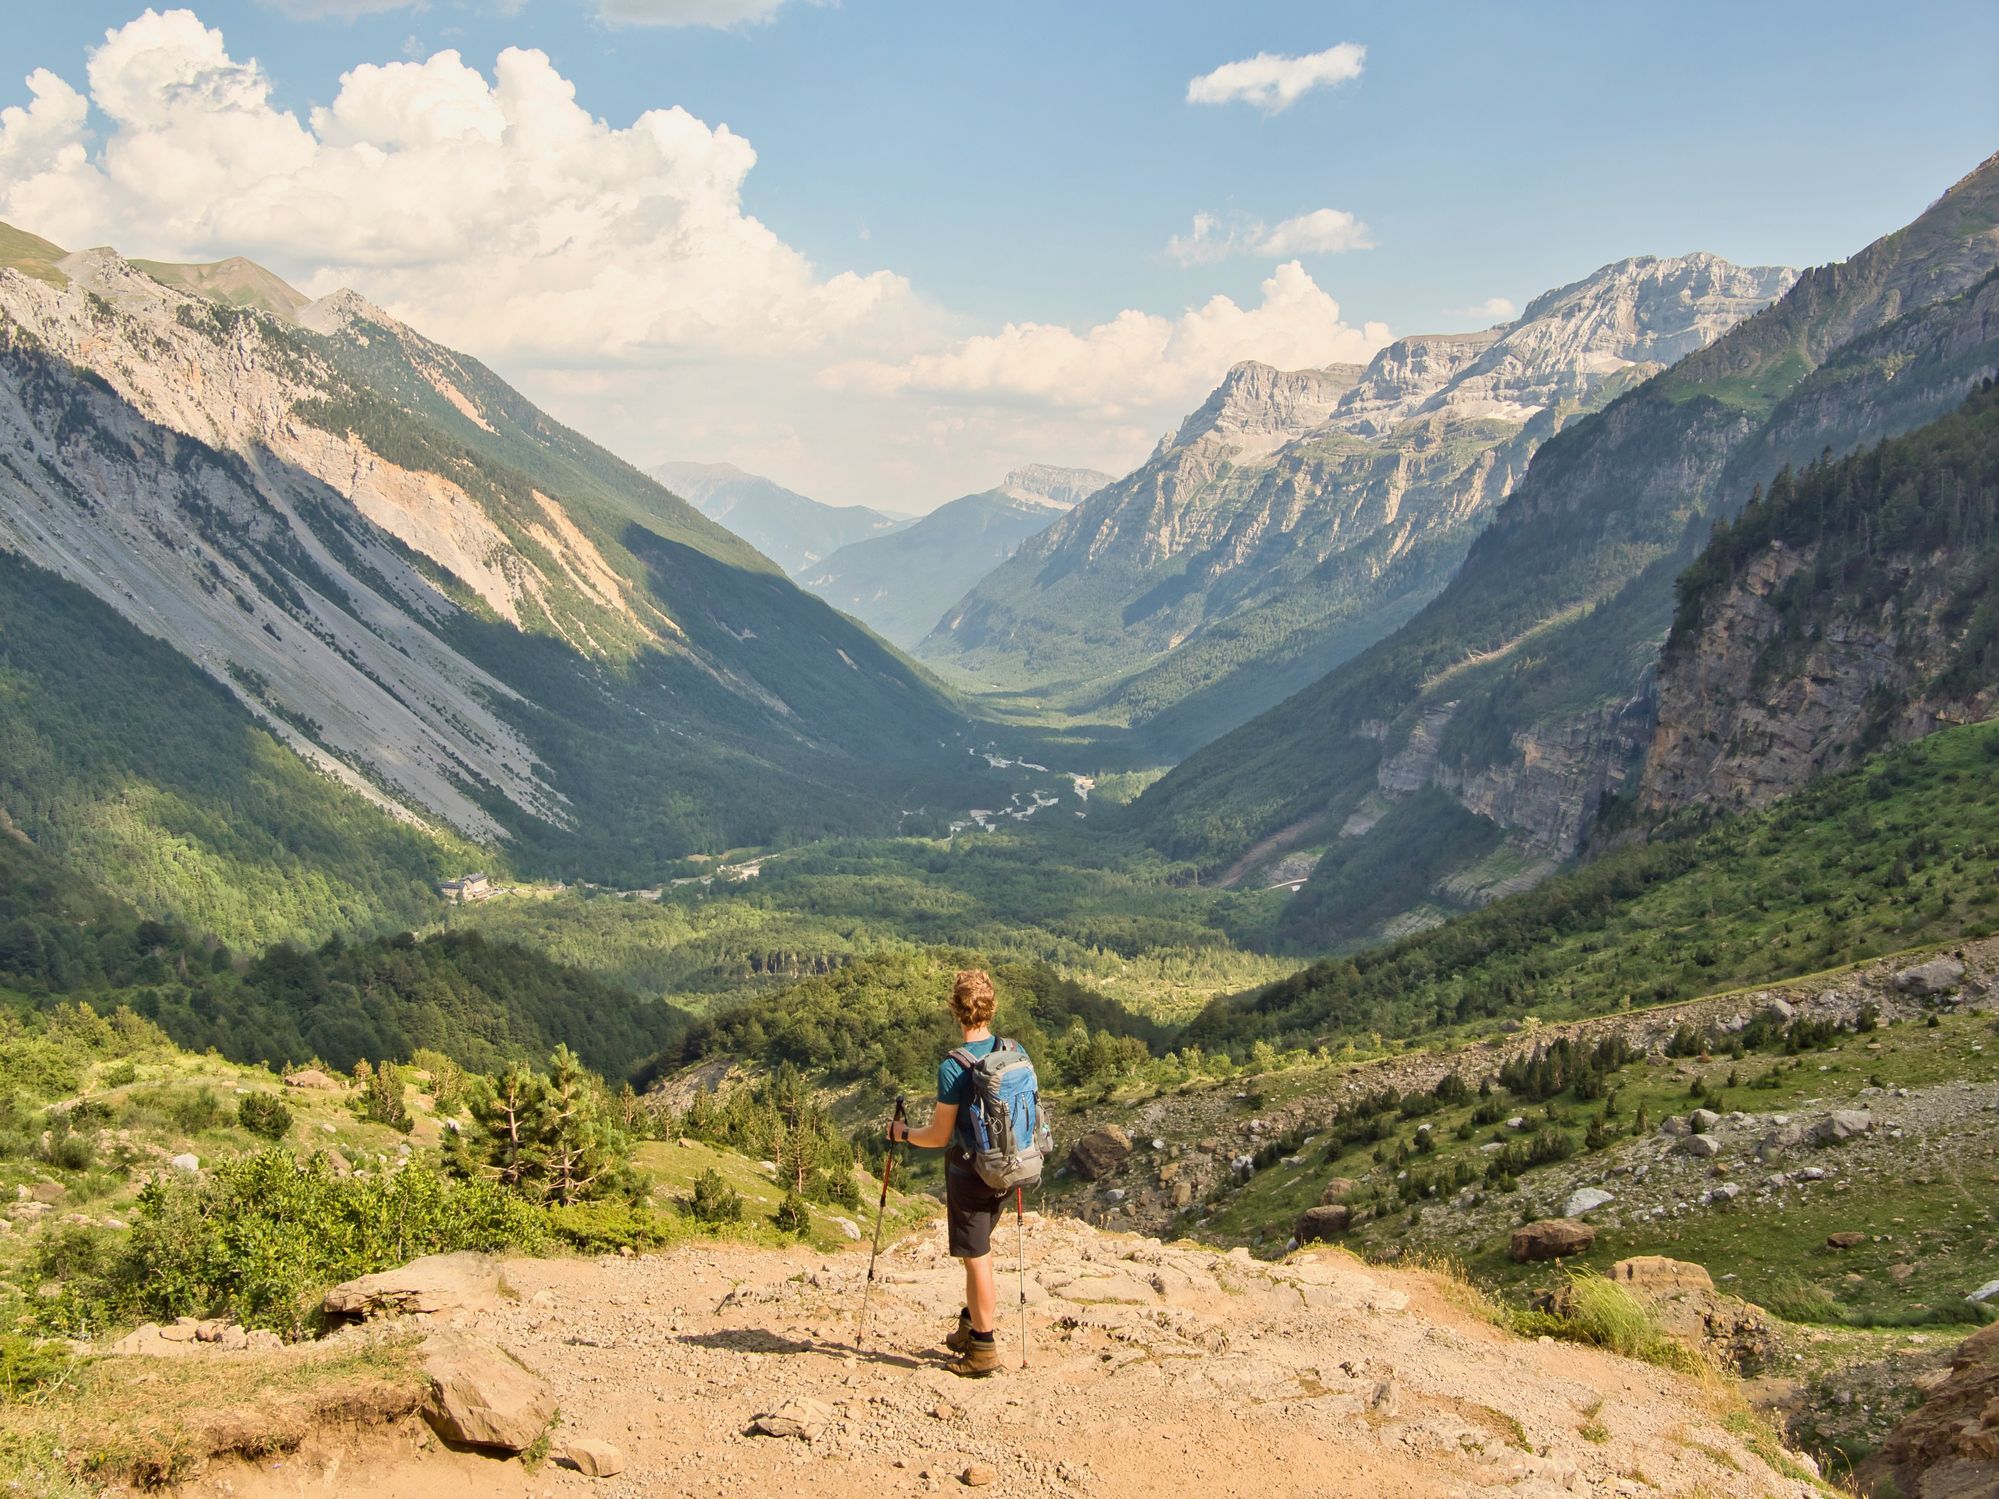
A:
{"points": [[961, 1340], [976, 1361]]}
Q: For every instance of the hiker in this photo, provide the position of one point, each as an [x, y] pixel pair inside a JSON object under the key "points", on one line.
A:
{"points": [[988, 1113]]}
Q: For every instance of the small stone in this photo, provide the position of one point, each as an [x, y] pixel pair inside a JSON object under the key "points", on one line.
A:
{"points": [[592, 1458], [1699, 1146], [977, 1476], [1382, 1402], [1586, 1200]]}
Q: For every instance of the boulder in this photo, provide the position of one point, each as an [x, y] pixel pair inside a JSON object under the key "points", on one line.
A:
{"points": [[1938, 976], [1551, 1238], [1948, 1447], [187, 1162], [1336, 1190], [592, 1458], [979, 1475], [1673, 1124], [1846, 1238], [1987, 1292], [1100, 1152], [436, 1285], [481, 1396], [1654, 1274], [1327, 1221], [803, 1419], [1726, 1192], [1841, 1125], [49, 1192], [1586, 1200], [312, 1077], [1788, 1136], [1700, 1121], [1780, 1010], [1699, 1146]]}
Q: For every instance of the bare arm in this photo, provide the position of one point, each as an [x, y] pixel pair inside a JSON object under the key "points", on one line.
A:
{"points": [[937, 1132]]}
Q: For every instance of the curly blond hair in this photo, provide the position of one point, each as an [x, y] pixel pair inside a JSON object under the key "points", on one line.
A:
{"points": [[972, 999]]}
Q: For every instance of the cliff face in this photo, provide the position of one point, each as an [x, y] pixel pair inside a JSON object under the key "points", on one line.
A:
{"points": [[1298, 516], [1844, 611]]}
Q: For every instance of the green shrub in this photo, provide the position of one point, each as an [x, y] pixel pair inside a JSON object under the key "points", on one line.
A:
{"points": [[68, 1251], [714, 1200], [28, 1365], [264, 1114], [381, 1096], [607, 1227], [258, 1238], [792, 1215]]}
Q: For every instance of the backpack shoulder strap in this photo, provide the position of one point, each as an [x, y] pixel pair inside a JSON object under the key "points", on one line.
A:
{"points": [[962, 1055]]}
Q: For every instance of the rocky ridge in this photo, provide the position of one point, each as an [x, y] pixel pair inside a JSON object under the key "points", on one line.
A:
{"points": [[1298, 515]]}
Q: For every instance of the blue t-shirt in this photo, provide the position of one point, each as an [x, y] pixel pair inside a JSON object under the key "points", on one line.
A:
{"points": [[954, 1085]]}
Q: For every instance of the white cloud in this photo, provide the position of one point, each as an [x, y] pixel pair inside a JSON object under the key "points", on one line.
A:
{"points": [[1324, 231], [611, 269], [1274, 83], [688, 12], [1137, 362], [498, 214], [1491, 310]]}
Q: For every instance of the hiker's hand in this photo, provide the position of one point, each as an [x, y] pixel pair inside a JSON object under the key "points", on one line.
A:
{"points": [[891, 1132]]}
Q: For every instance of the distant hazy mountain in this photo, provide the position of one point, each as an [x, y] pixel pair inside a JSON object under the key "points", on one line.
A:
{"points": [[1299, 516], [899, 584], [787, 527]]}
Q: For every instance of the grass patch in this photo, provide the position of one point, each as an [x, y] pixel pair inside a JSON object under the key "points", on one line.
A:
{"points": [[1602, 1315]]}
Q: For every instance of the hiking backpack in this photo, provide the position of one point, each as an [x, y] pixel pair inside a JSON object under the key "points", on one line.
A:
{"points": [[1004, 1130]]}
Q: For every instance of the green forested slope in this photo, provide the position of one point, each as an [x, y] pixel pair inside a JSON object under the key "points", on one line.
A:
{"points": [[1902, 852], [140, 775]]}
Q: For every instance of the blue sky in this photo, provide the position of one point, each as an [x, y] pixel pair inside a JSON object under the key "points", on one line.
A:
{"points": [[1031, 162]]}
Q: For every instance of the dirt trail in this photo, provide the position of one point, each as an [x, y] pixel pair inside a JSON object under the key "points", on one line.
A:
{"points": [[1155, 1370]]}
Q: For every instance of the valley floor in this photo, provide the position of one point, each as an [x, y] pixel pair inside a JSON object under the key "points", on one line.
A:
{"points": [[1154, 1369]]}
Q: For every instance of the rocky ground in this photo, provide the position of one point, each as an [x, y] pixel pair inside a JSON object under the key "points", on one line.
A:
{"points": [[1152, 1368]]}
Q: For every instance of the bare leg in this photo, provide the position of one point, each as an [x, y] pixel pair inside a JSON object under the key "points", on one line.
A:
{"points": [[981, 1295]]}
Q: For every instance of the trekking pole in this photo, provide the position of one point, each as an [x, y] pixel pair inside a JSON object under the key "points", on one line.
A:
{"points": [[1020, 1252], [881, 1212]]}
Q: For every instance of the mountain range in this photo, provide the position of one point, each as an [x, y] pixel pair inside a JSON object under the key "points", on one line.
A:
{"points": [[900, 583], [421, 585], [792, 530], [1482, 740], [1299, 516]]}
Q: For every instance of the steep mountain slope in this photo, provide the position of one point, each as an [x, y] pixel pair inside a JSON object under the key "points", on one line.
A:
{"points": [[423, 584], [1850, 606], [1523, 690], [900, 583], [1298, 517], [791, 530], [131, 770]]}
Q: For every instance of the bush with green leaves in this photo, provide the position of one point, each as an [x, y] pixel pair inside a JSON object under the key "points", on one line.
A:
{"points": [[264, 1114], [258, 1239], [381, 1096], [714, 1200]]}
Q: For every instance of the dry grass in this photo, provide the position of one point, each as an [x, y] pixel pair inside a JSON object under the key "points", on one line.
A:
{"points": [[153, 1421]]}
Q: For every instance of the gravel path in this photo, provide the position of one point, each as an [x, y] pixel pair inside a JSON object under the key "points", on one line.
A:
{"points": [[1154, 1370]]}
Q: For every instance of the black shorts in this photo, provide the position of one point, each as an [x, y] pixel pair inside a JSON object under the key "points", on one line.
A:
{"points": [[971, 1208]]}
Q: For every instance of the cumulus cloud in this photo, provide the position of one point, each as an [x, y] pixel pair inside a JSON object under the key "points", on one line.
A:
{"points": [[1324, 231], [1274, 83], [497, 212], [1491, 310], [1136, 361], [611, 269]]}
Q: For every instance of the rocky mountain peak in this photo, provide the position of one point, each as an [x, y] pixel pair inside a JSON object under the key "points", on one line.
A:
{"points": [[1052, 485], [1257, 407]]}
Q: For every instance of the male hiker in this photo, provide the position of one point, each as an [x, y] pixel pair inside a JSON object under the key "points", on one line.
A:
{"points": [[988, 1112]]}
